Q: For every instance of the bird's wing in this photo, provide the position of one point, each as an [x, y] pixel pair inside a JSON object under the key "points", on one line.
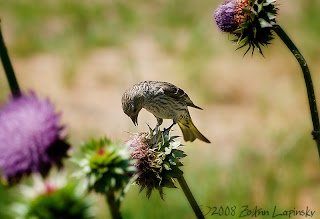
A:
{"points": [[176, 93]]}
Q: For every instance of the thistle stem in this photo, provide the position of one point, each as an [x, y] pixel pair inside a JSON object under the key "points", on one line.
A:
{"points": [[308, 81], [13, 83], [190, 197], [113, 205]]}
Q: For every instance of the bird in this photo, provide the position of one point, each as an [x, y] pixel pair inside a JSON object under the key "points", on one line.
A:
{"points": [[165, 101]]}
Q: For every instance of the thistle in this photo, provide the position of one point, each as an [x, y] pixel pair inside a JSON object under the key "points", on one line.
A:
{"points": [[106, 166], [251, 21], [107, 169], [157, 160], [31, 138], [158, 163], [51, 199]]}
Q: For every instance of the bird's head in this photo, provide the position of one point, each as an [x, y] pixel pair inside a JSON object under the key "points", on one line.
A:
{"points": [[131, 105]]}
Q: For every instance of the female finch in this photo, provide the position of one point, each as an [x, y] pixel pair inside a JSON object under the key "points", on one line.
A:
{"points": [[164, 101]]}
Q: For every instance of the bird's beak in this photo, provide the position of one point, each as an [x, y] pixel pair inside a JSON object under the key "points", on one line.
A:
{"points": [[134, 119]]}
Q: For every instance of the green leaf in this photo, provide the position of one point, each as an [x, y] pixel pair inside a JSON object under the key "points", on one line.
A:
{"points": [[166, 165], [168, 182], [268, 2], [264, 23], [243, 41], [141, 189], [175, 144], [176, 172], [167, 150], [178, 153], [173, 161], [174, 137], [118, 170], [148, 192]]}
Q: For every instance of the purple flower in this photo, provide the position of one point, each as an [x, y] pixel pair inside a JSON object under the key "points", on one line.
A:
{"points": [[224, 16], [30, 137]]}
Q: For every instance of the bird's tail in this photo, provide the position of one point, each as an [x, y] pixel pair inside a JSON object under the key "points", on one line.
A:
{"points": [[190, 132]]}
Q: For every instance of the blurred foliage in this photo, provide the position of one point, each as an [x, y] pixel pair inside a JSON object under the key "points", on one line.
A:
{"points": [[66, 202], [60, 25]]}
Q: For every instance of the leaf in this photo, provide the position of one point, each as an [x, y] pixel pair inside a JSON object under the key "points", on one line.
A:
{"points": [[113, 182], [178, 153], [148, 192], [174, 137], [167, 150], [118, 170], [166, 165], [173, 161], [239, 30], [141, 189], [161, 192], [264, 23], [268, 2], [176, 172], [243, 41], [175, 144], [169, 183]]}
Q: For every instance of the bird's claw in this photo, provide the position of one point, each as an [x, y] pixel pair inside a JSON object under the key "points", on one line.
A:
{"points": [[168, 129]]}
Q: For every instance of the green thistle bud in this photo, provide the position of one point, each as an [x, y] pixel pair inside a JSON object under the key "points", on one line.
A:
{"points": [[157, 160], [51, 199], [251, 21], [106, 166]]}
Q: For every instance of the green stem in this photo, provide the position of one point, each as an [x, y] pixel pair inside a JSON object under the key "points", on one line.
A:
{"points": [[113, 205], [307, 77], [15, 90], [190, 197]]}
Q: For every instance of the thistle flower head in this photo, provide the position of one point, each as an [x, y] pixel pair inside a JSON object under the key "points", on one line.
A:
{"points": [[53, 198], [157, 160], [251, 21], [31, 137], [106, 166]]}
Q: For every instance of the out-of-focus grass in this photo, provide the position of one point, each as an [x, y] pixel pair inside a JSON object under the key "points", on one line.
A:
{"points": [[282, 176], [310, 26], [62, 25]]}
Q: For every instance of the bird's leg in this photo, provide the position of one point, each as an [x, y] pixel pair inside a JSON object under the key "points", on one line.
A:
{"points": [[168, 129], [159, 122]]}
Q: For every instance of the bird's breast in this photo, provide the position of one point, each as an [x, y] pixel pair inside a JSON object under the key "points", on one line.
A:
{"points": [[165, 108], [160, 111]]}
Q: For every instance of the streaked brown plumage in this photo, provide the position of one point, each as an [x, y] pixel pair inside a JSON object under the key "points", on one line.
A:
{"points": [[164, 101]]}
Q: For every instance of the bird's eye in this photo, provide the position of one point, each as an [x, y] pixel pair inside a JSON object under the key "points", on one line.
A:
{"points": [[135, 109]]}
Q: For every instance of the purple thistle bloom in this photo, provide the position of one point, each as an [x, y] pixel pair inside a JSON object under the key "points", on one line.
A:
{"points": [[30, 137], [224, 16]]}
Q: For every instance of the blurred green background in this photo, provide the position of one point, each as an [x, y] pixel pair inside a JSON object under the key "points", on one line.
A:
{"points": [[84, 54]]}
